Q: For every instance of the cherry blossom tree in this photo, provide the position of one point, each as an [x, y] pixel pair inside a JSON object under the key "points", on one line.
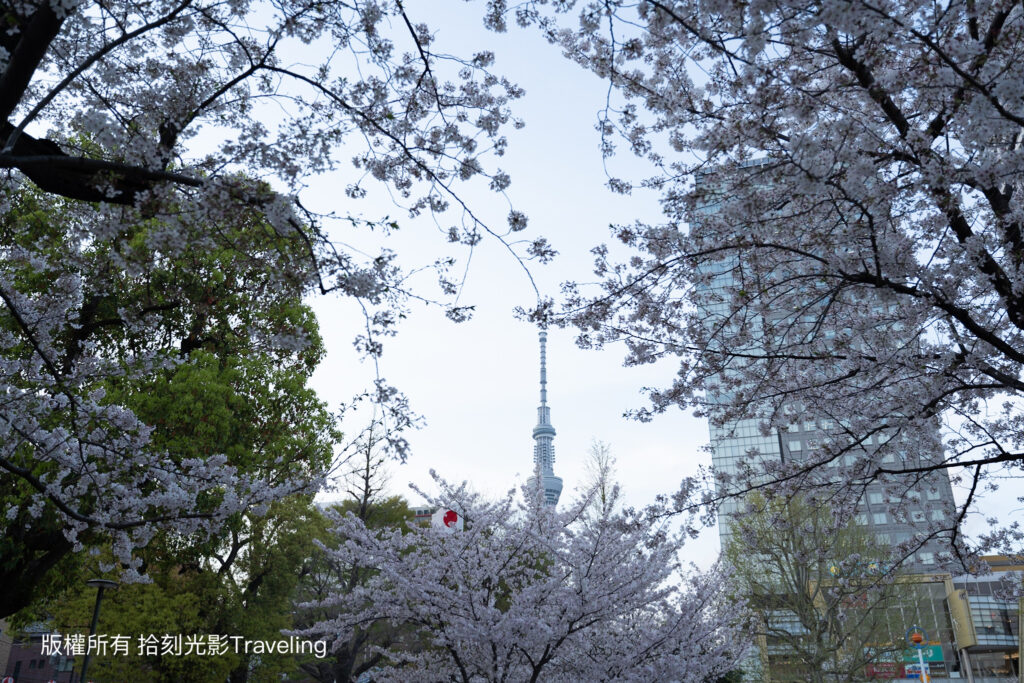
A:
{"points": [[840, 181], [175, 361], [528, 593], [324, 576], [134, 139]]}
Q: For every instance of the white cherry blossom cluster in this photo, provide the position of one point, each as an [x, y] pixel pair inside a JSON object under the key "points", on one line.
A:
{"points": [[523, 592]]}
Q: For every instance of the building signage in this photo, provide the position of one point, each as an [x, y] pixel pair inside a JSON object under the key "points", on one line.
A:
{"points": [[913, 671], [885, 670], [932, 653]]}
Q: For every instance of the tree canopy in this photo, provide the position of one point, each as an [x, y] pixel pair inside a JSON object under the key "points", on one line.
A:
{"points": [[854, 168], [818, 586], [166, 391], [527, 593], [153, 160]]}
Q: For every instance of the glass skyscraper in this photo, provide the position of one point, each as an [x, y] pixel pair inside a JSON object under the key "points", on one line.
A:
{"points": [[893, 508]]}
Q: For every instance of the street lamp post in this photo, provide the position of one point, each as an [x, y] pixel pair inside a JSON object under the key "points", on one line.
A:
{"points": [[100, 585], [916, 639]]}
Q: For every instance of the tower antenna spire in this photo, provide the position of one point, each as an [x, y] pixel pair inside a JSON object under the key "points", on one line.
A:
{"points": [[544, 433]]}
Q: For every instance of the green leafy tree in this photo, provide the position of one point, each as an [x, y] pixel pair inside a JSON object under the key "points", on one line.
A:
{"points": [[247, 595], [817, 588], [170, 606], [203, 354], [231, 348]]}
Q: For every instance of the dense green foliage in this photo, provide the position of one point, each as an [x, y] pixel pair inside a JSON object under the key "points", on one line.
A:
{"points": [[208, 347], [242, 588]]}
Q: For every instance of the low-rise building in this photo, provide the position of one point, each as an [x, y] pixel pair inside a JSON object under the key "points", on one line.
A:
{"points": [[995, 616], [27, 663]]}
